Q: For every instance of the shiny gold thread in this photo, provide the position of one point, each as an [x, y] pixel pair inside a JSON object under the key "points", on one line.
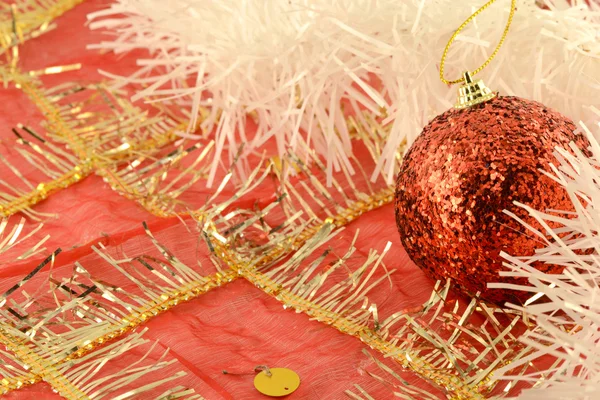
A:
{"points": [[41, 367], [162, 303], [25, 20], [99, 162]]}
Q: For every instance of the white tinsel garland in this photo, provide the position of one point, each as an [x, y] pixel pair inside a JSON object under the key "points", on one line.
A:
{"points": [[293, 63], [568, 324]]}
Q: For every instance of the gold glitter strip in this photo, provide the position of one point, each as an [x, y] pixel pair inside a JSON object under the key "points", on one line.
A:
{"points": [[100, 163], [51, 114], [346, 216], [141, 315], [26, 19], [90, 166], [60, 128], [455, 386], [44, 369], [9, 384], [144, 188], [163, 303], [45, 189]]}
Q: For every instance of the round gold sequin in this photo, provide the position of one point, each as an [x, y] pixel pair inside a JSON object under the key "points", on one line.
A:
{"points": [[282, 382]]}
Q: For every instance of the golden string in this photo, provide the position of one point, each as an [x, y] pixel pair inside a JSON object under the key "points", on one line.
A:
{"points": [[513, 6]]}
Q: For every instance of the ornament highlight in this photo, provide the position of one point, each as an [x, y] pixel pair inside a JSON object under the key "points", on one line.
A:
{"points": [[459, 176]]}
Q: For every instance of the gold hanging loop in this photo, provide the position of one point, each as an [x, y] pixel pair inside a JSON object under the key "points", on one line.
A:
{"points": [[513, 6]]}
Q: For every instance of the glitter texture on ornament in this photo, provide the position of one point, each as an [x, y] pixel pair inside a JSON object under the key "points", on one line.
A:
{"points": [[459, 176]]}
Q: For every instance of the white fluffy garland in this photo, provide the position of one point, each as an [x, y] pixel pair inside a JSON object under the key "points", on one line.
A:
{"points": [[568, 325], [294, 62]]}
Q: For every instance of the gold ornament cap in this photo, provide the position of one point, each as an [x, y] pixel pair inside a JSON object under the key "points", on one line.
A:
{"points": [[471, 93]]}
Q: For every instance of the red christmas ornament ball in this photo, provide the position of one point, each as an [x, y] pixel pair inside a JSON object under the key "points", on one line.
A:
{"points": [[465, 168]]}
